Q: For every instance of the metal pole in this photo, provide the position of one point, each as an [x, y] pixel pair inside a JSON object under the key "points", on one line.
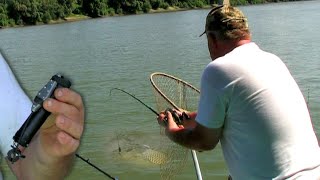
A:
{"points": [[196, 164]]}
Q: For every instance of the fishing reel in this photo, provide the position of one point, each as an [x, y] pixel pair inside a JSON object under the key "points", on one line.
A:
{"points": [[178, 119], [36, 118]]}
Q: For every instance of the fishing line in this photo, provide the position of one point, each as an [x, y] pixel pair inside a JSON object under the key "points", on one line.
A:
{"points": [[308, 97], [119, 148]]}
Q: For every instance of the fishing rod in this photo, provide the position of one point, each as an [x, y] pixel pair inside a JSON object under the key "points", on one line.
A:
{"points": [[37, 117], [155, 112], [178, 119], [100, 170]]}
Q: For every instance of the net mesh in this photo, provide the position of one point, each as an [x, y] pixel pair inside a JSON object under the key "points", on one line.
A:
{"points": [[172, 92]]}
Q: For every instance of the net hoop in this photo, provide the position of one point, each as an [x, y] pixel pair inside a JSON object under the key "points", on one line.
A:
{"points": [[152, 77]]}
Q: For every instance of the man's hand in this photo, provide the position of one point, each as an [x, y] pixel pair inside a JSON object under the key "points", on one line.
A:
{"points": [[63, 138], [190, 134], [51, 151], [164, 117]]}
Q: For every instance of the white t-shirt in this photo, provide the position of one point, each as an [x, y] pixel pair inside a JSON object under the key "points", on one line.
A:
{"points": [[15, 107], [267, 129]]}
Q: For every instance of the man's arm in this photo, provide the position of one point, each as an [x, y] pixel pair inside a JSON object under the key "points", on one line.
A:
{"points": [[51, 151], [195, 137]]}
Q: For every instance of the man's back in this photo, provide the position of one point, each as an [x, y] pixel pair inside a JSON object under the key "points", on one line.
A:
{"points": [[267, 128]]}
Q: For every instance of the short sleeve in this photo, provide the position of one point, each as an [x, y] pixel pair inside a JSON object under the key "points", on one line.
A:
{"points": [[211, 108], [15, 106]]}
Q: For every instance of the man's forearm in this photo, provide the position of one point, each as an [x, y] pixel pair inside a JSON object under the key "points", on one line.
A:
{"points": [[187, 138], [193, 135]]}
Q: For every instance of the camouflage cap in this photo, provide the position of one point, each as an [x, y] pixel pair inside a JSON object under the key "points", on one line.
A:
{"points": [[224, 18]]}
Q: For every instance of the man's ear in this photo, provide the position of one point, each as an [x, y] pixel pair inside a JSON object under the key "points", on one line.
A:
{"points": [[214, 41], [212, 45]]}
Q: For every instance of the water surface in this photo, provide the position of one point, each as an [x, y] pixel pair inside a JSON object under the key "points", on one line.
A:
{"points": [[101, 54]]}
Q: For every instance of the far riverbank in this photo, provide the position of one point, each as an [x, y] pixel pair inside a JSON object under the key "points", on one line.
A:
{"points": [[45, 18]]}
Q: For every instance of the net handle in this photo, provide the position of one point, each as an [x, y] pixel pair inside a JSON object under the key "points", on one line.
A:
{"points": [[153, 75]]}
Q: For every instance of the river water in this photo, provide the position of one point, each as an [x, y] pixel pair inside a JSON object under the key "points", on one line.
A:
{"points": [[100, 54]]}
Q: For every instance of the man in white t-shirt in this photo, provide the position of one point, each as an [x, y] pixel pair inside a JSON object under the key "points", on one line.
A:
{"points": [[251, 104], [50, 153]]}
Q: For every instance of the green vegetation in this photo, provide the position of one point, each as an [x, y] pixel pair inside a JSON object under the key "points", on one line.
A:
{"points": [[31, 12]]}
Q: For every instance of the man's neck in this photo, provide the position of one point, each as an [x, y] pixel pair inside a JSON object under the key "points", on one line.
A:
{"points": [[226, 47], [242, 42]]}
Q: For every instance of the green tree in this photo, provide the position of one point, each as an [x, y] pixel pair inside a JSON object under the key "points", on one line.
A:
{"points": [[51, 10], [116, 5], [95, 8], [132, 6], [68, 6], [4, 19], [172, 2], [146, 6], [155, 4], [24, 11]]}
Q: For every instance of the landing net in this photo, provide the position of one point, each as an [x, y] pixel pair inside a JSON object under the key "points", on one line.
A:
{"points": [[172, 92]]}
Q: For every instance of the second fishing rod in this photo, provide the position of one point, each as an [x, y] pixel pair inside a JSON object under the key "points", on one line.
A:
{"points": [[37, 118]]}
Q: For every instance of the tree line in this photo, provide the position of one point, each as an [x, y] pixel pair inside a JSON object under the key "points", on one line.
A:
{"points": [[31, 12]]}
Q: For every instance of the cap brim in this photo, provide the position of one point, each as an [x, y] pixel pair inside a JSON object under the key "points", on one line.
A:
{"points": [[202, 33]]}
